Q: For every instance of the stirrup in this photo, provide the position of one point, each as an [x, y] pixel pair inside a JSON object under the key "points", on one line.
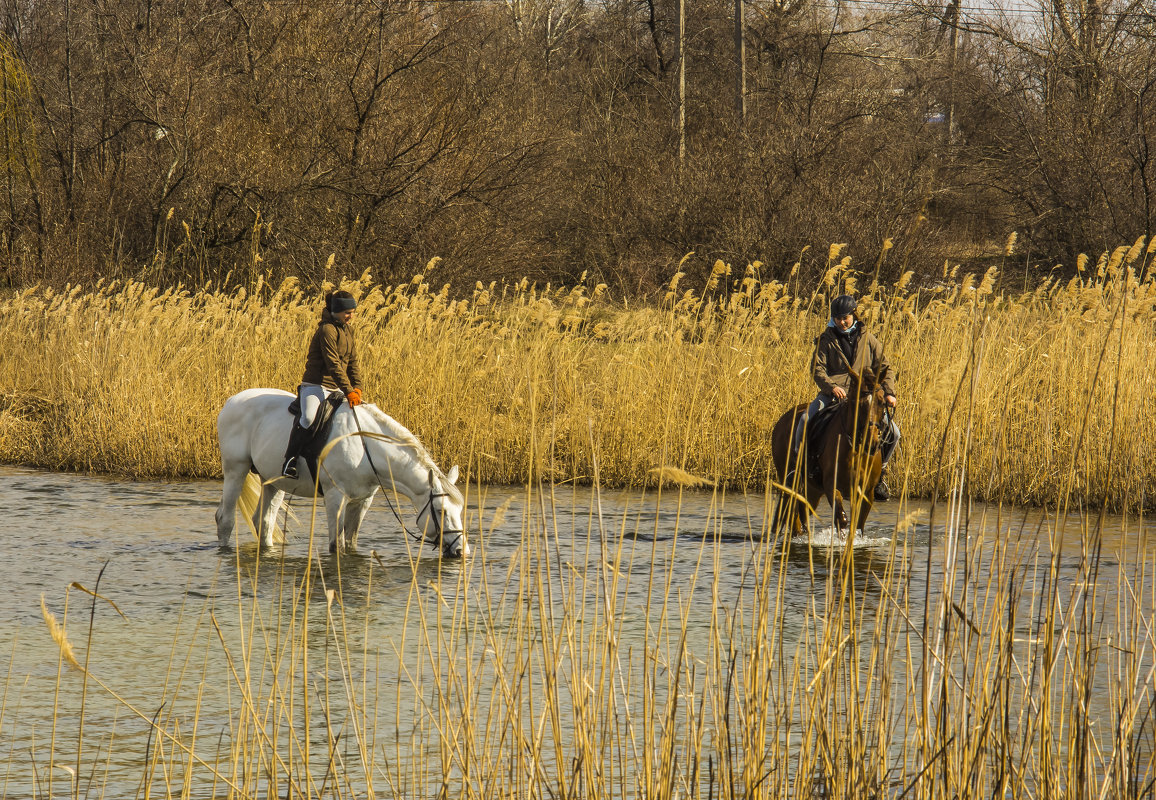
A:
{"points": [[290, 468]]}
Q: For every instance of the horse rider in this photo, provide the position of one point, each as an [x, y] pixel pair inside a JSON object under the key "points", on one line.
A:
{"points": [[846, 346], [331, 366]]}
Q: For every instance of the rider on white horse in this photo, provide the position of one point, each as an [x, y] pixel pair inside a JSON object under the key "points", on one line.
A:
{"points": [[331, 366]]}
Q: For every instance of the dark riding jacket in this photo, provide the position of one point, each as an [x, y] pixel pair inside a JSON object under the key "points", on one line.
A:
{"points": [[831, 367], [332, 359]]}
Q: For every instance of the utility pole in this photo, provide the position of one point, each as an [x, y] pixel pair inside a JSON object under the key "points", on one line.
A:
{"points": [[681, 84], [740, 65], [951, 17]]}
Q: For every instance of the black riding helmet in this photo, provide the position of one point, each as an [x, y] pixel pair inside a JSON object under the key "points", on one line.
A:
{"points": [[843, 305]]}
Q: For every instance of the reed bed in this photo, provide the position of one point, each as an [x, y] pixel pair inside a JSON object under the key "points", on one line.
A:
{"points": [[521, 380], [587, 650]]}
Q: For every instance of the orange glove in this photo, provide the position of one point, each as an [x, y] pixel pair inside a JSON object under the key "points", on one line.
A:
{"points": [[354, 398]]}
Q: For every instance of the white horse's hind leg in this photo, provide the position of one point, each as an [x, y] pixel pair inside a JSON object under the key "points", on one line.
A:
{"points": [[230, 492], [265, 518], [335, 512], [355, 513]]}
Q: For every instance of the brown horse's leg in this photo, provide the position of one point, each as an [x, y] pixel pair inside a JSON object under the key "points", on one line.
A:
{"points": [[790, 510], [862, 496], [864, 511], [840, 513], [798, 519], [841, 523], [781, 515]]}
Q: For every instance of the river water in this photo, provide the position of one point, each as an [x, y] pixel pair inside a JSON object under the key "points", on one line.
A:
{"points": [[187, 638]]}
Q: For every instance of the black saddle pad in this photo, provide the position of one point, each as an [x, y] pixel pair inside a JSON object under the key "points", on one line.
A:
{"points": [[319, 431]]}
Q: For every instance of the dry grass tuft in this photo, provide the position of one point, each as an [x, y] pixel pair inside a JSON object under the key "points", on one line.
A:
{"points": [[56, 630], [678, 477]]}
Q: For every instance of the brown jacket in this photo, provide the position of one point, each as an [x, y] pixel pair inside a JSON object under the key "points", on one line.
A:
{"points": [[829, 365], [332, 359]]}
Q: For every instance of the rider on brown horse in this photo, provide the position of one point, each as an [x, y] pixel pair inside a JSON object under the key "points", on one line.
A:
{"points": [[845, 347]]}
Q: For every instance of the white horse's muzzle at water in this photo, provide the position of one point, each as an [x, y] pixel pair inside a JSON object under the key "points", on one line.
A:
{"points": [[368, 450]]}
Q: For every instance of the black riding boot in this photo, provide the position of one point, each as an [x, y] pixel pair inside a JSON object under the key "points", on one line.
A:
{"points": [[297, 439], [882, 492], [890, 442]]}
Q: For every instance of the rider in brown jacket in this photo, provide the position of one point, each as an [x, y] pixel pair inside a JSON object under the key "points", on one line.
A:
{"points": [[845, 347], [331, 366]]}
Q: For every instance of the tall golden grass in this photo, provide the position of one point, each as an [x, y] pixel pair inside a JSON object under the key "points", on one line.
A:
{"points": [[523, 381]]}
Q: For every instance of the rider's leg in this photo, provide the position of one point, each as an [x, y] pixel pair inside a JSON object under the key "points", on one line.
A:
{"points": [[890, 442], [820, 402], [310, 396]]}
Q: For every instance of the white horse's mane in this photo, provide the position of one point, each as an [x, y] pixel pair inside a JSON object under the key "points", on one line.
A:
{"points": [[403, 436]]}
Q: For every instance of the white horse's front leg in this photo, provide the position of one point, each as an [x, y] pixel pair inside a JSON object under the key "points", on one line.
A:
{"points": [[355, 513], [335, 512]]}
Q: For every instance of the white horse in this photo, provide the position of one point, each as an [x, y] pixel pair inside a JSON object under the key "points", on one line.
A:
{"points": [[253, 430]]}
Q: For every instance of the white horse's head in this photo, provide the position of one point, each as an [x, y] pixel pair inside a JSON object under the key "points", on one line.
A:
{"points": [[440, 518]]}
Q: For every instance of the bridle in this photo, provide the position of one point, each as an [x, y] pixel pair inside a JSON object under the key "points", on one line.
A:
{"points": [[436, 518]]}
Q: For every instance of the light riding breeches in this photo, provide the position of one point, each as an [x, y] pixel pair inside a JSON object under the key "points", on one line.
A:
{"points": [[890, 438], [311, 396]]}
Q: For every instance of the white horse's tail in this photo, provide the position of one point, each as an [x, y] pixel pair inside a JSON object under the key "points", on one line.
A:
{"points": [[247, 503]]}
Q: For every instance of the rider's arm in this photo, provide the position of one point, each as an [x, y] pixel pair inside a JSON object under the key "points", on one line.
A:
{"points": [[881, 363], [354, 370], [331, 358], [819, 368]]}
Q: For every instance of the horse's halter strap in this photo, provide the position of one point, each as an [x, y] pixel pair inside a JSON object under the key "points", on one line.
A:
{"points": [[437, 519]]}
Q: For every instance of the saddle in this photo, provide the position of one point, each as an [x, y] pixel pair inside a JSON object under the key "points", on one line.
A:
{"points": [[817, 425], [318, 431], [813, 438]]}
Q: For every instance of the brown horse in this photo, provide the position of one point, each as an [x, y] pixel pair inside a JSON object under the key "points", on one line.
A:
{"points": [[850, 462]]}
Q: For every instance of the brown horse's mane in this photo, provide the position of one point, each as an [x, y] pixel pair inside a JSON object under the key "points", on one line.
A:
{"points": [[867, 383]]}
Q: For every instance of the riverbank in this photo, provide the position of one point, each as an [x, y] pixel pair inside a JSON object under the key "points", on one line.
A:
{"points": [[1036, 397]]}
